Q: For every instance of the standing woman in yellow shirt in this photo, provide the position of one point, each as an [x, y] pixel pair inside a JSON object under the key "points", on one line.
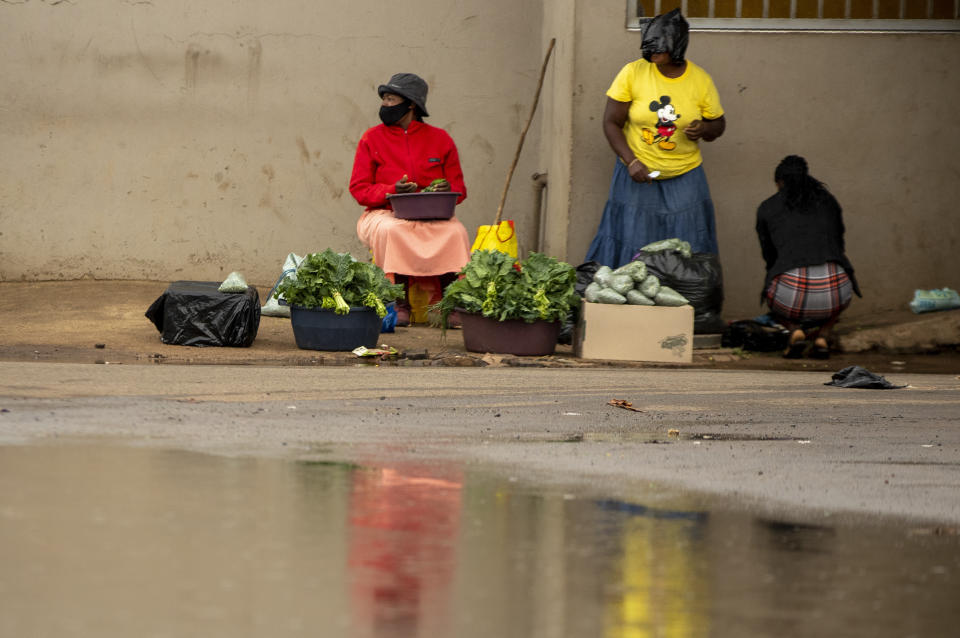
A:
{"points": [[658, 109]]}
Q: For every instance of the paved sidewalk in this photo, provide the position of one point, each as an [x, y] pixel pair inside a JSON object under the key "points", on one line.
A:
{"points": [[103, 322]]}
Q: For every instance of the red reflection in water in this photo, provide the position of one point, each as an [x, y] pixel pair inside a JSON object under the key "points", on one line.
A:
{"points": [[403, 531]]}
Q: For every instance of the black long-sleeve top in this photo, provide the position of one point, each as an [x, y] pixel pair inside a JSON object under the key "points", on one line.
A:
{"points": [[808, 236]]}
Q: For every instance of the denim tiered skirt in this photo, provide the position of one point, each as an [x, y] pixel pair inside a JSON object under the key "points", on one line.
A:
{"points": [[638, 214]]}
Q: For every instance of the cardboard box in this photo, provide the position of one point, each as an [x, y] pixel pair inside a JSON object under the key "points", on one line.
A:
{"points": [[634, 333]]}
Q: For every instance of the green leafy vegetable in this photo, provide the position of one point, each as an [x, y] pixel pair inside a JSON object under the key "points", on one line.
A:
{"points": [[494, 285], [337, 281], [432, 187]]}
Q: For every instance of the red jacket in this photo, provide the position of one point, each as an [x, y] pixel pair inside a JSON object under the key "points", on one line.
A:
{"points": [[386, 153]]}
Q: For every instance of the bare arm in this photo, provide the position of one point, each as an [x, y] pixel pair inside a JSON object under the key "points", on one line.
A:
{"points": [[614, 117]]}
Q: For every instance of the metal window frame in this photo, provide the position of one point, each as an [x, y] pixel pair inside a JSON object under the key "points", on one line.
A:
{"points": [[822, 25]]}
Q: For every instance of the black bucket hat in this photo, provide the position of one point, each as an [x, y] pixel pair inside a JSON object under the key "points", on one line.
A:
{"points": [[410, 86]]}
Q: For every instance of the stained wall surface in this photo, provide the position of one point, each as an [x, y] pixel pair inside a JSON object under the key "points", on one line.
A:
{"points": [[185, 140]]}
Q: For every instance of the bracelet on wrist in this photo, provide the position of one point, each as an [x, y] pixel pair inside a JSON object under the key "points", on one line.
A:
{"points": [[631, 163]]}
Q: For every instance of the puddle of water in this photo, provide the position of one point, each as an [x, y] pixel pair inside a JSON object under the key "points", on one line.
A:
{"points": [[120, 541]]}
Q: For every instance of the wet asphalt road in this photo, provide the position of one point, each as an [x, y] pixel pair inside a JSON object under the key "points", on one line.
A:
{"points": [[772, 441]]}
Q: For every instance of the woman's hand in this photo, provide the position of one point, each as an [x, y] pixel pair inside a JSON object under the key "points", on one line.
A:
{"points": [[706, 130], [440, 185], [614, 117], [403, 186], [639, 172]]}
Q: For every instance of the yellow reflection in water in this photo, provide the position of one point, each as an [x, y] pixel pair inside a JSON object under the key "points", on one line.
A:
{"points": [[662, 593]]}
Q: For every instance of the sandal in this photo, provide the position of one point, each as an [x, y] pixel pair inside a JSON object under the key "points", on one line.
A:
{"points": [[797, 346], [796, 349], [820, 351]]}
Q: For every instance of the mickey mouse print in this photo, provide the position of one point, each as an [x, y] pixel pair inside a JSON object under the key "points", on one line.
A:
{"points": [[667, 117]]}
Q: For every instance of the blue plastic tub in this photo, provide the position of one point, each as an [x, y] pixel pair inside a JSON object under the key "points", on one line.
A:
{"points": [[321, 329]]}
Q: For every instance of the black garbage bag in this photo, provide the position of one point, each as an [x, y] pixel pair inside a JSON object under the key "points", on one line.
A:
{"points": [[195, 313], [857, 377], [754, 336], [585, 273], [698, 277]]}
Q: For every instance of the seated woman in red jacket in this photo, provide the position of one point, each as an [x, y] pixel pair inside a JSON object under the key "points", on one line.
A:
{"points": [[809, 279], [404, 155]]}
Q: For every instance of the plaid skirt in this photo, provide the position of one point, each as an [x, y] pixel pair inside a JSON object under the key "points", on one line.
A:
{"points": [[811, 295]]}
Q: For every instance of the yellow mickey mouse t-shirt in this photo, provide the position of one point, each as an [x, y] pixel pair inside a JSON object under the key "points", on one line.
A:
{"points": [[660, 108]]}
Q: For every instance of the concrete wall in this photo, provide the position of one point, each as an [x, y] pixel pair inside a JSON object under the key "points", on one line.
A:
{"points": [[184, 140], [873, 115], [556, 120]]}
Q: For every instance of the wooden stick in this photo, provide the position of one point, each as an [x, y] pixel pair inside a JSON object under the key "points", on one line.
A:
{"points": [[533, 109]]}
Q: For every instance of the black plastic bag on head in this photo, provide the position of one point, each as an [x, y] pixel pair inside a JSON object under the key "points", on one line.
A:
{"points": [[666, 33], [698, 277]]}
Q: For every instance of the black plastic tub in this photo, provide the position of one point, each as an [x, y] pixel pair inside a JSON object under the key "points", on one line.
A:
{"points": [[438, 205], [513, 336], [322, 329]]}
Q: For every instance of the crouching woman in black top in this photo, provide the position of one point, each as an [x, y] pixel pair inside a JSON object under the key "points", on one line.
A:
{"points": [[809, 279]]}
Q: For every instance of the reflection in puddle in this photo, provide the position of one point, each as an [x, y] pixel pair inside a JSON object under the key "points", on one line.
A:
{"points": [[115, 541], [402, 550]]}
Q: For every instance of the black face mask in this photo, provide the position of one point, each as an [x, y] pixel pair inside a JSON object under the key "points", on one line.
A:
{"points": [[390, 115]]}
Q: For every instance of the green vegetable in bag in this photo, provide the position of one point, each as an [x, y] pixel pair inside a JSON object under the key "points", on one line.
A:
{"points": [[608, 295], [637, 298], [676, 245], [650, 286], [432, 187], [590, 294], [602, 275], [636, 269], [620, 283], [667, 296]]}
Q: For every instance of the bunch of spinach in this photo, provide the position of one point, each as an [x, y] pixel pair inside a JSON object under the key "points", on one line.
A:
{"points": [[495, 285], [337, 281]]}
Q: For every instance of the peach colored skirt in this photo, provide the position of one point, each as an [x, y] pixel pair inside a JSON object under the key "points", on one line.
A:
{"points": [[417, 248]]}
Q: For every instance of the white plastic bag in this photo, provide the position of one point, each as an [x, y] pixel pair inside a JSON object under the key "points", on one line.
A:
{"points": [[272, 307], [235, 282], [933, 300]]}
